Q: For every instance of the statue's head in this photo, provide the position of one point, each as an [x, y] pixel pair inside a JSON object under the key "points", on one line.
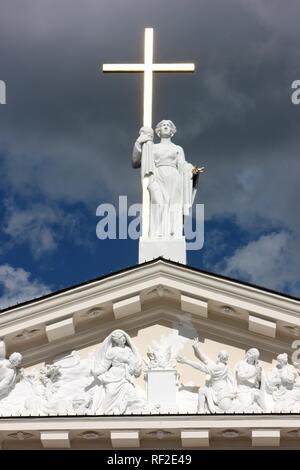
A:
{"points": [[223, 356], [118, 338], [252, 355], [15, 359], [282, 359], [165, 128]]}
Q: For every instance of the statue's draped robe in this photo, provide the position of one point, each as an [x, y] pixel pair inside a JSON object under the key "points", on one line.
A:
{"points": [[8, 376], [172, 186], [115, 368], [220, 384], [285, 390], [13, 391], [117, 390]]}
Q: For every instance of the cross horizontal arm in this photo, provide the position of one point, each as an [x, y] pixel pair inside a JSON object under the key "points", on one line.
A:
{"points": [[173, 67], [123, 68], [155, 67]]}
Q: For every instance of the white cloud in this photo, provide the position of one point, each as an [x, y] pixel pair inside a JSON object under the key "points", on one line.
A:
{"points": [[68, 138], [35, 225], [42, 226], [17, 286], [267, 261]]}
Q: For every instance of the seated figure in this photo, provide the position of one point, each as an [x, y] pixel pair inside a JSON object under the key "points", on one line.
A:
{"points": [[9, 369], [282, 385], [116, 365]]}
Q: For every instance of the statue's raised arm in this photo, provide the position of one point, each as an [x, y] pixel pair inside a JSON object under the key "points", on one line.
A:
{"points": [[146, 135]]}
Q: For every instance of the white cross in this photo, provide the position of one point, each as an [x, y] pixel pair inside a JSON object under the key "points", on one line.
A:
{"points": [[148, 67]]}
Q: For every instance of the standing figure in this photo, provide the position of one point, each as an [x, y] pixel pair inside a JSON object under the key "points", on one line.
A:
{"points": [[116, 365], [248, 376], [217, 394], [171, 180]]}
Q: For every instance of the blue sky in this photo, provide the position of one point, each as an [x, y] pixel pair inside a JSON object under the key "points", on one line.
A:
{"points": [[67, 131]]}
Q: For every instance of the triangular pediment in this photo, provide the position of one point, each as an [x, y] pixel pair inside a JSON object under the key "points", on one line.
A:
{"points": [[158, 291], [157, 304]]}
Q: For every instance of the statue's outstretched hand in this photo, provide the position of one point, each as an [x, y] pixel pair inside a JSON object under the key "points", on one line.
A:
{"points": [[198, 169], [180, 359], [196, 343]]}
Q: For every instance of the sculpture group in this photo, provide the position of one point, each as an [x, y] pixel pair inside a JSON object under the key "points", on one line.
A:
{"points": [[107, 382]]}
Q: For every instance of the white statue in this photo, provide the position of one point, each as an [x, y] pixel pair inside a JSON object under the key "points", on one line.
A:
{"points": [[14, 386], [73, 378], [45, 385], [248, 376], [282, 384], [160, 358], [218, 393], [9, 370], [81, 403], [172, 181], [64, 386], [116, 365], [57, 386], [162, 354]]}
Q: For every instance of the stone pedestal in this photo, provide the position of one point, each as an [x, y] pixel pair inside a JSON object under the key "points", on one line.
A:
{"points": [[173, 249], [162, 388]]}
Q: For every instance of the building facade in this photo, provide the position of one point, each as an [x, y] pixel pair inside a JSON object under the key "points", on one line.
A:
{"points": [[157, 356]]}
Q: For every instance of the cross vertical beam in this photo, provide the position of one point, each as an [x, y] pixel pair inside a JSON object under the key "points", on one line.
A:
{"points": [[148, 68], [148, 77]]}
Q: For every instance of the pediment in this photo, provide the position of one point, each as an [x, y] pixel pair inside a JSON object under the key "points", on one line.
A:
{"points": [[157, 304], [158, 291]]}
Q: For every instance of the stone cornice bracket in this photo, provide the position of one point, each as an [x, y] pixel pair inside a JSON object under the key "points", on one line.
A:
{"points": [[195, 438], [55, 439], [60, 330], [262, 327], [194, 306], [265, 437], [126, 438], [126, 307]]}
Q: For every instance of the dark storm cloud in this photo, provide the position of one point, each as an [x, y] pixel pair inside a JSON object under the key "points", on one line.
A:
{"points": [[67, 130]]}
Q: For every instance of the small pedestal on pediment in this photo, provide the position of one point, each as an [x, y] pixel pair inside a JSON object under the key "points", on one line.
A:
{"points": [[152, 248], [162, 390]]}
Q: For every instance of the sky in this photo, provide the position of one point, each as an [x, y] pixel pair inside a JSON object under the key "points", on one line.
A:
{"points": [[67, 131]]}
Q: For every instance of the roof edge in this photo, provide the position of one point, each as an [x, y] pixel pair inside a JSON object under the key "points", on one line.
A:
{"points": [[147, 263]]}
